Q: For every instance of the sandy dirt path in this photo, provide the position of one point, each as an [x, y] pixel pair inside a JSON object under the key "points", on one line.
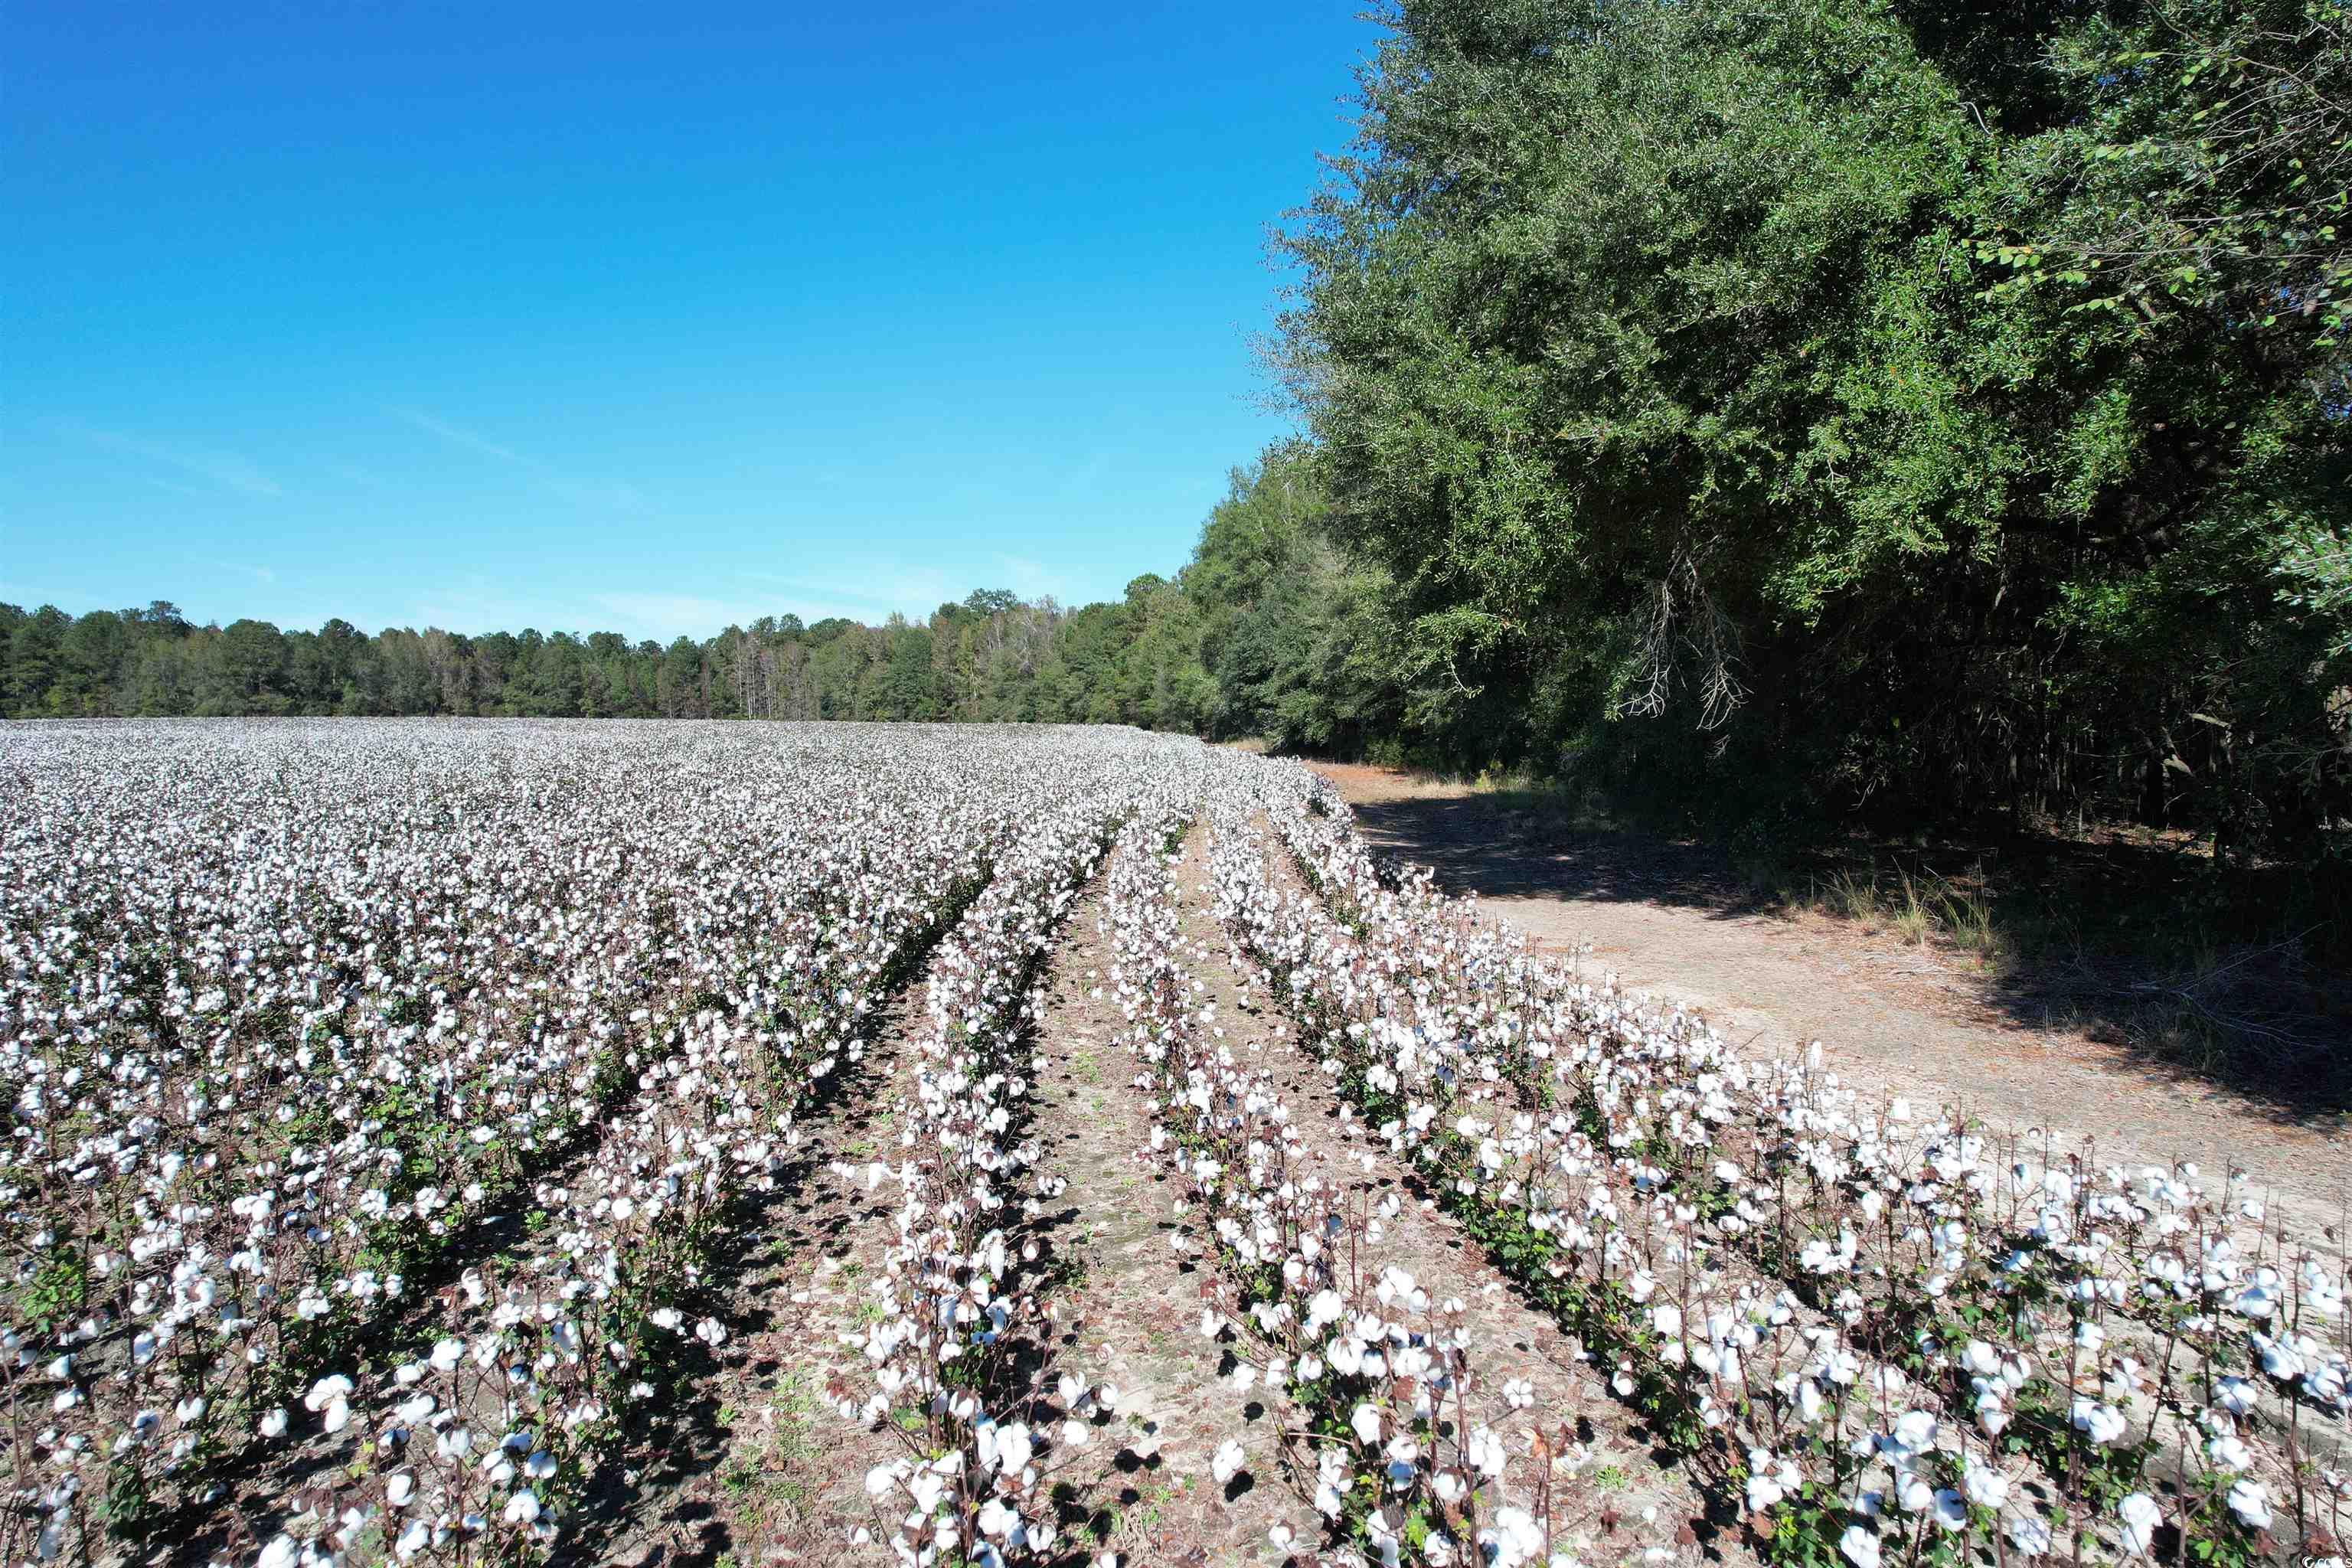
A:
{"points": [[1891, 1016]]}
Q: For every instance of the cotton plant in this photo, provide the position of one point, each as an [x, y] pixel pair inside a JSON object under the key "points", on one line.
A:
{"points": [[291, 1014], [957, 1296], [2065, 1316], [1369, 1376]]}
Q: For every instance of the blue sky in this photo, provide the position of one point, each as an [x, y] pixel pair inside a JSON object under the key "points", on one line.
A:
{"points": [[635, 317]]}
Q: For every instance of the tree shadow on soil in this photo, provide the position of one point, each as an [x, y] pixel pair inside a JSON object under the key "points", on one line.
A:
{"points": [[2078, 923]]}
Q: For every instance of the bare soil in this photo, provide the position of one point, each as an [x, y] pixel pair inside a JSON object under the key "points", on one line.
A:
{"points": [[1130, 1296], [1908, 1019], [760, 1467]]}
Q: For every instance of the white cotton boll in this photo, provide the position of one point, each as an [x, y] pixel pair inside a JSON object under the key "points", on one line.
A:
{"points": [[1513, 1539], [2227, 1451], [326, 1391], [521, 1509], [1012, 1448], [1227, 1462], [1859, 1545], [1366, 1421], [2103, 1424], [2140, 1517], [2029, 1534], [273, 1422]]}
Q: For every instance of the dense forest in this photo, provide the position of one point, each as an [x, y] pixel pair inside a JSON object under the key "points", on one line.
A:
{"points": [[1780, 414]]}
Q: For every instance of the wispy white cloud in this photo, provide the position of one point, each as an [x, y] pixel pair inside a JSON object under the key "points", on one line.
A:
{"points": [[230, 471], [605, 495], [476, 604], [363, 477], [459, 437], [589, 494], [663, 616], [1033, 579], [174, 487], [870, 594]]}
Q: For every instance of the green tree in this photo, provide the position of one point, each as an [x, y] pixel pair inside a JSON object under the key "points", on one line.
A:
{"points": [[1691, 373]]}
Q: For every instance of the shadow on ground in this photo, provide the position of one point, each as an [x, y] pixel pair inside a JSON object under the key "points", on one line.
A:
{"points": [[2254, 1017]]}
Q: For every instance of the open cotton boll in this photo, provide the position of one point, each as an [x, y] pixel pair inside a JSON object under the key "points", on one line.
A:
{"points": [[1227, 1462]]}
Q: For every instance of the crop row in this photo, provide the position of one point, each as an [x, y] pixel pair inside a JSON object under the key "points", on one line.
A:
{"points": [[375, 1105], [380, 1097], [1880, 1330], [958, 1302], [1378, 1397]]}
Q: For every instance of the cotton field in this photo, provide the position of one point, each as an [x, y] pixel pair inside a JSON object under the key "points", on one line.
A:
{"points": [[385, 1098]]}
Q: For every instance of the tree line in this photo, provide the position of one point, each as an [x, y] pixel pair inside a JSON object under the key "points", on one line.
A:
{"points": [[1258, 635], [1923, 411], [990, 658]]}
